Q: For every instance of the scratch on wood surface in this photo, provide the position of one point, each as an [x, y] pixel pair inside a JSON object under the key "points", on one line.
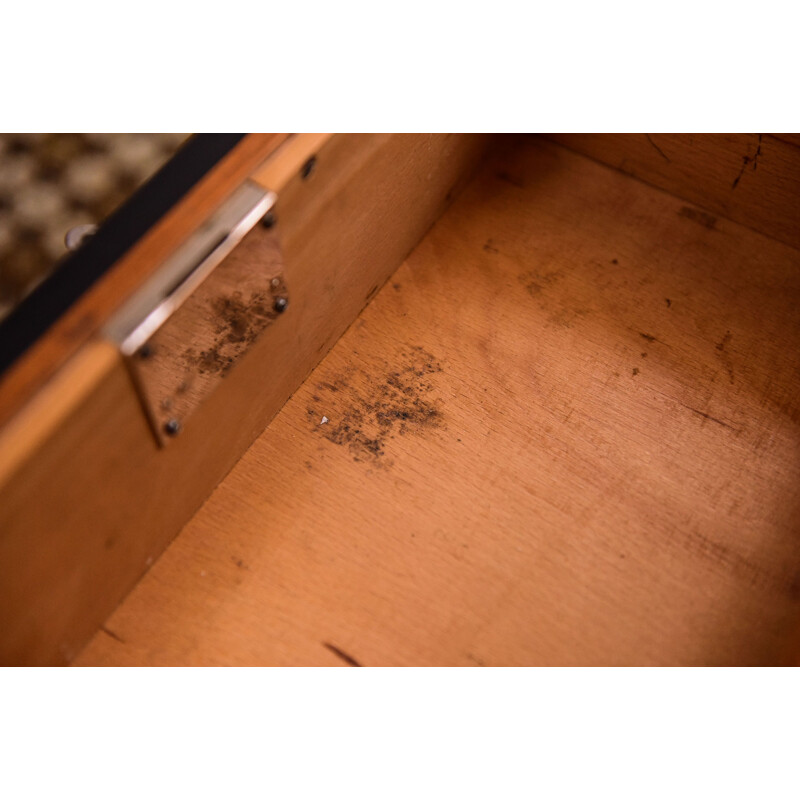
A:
{"points": [[341, 654], [658, 149], [747, 160], [710, 418], [724, 356]]}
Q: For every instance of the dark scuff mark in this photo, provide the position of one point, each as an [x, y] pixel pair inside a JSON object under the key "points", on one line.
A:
{"points": [[710, 418], [725, 340], [535, 282], [112, 634], [668, 302], [706, 220], [506, 178], [724, 356], [341, 654], [658, 149], [635, 371], [489, 247], [747, 160], [648, 337], [614, 261]]}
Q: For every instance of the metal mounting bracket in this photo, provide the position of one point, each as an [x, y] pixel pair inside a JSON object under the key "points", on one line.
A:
{"points": [[190, 323]]}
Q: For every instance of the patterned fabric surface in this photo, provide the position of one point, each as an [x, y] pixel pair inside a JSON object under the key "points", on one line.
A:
{"points": [[51, 182]]}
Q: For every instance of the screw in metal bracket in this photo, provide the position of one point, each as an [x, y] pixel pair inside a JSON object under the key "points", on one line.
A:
{"points": [[172, 427]]}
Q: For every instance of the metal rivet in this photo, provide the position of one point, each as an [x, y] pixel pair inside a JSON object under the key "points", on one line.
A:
{"points": [[172, 427], [275, 282], [308, 167], [280, 304], [268, 220]]}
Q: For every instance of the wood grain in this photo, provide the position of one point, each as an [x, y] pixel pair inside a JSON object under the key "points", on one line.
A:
{"points": [[85, 517], [564, 432], [750, 178]]}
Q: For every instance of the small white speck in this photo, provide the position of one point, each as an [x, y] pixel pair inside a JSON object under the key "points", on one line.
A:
{"points": [[324, 420]]}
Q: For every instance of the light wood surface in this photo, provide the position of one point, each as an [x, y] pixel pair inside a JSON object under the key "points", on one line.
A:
{"points": [[564, 432], [21, 438], [751, 178], [289, 159], [98, 501]]}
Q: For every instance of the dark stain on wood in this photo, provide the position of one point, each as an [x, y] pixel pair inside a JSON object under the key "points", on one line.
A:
{"points": [[506, 178], [701, 217], [724, 355], [364, 408], [536, 281], [238, 322]]}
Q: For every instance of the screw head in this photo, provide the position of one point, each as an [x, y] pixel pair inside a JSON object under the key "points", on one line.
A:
{"points": [[308, 168], [172, 427], [280, 304], [268, 220]]}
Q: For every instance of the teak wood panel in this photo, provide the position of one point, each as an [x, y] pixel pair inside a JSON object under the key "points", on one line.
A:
{"points": [[750, 178], [564, 432], [89, 511]]}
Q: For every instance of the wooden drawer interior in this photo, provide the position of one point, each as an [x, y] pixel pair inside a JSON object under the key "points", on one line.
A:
{"points": [[563, 431]]}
